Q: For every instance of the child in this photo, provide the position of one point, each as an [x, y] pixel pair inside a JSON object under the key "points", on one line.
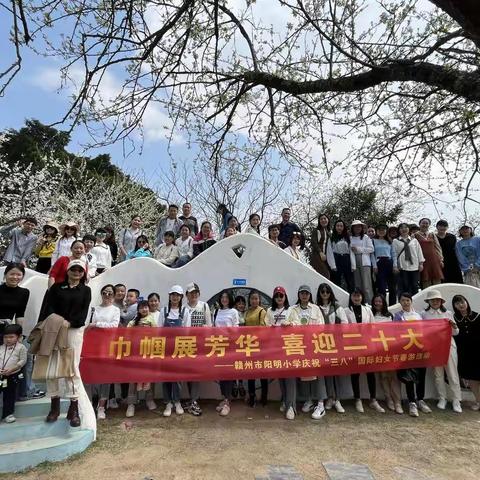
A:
{"points": [[129, 311], [311, 387], [90, 257], [225, 316], [358, 312], [167, 252], [280, 314], [436, 309], [13, 356], [175, 315], [200, 316], [388, 379], [102, 251], [255, 317], [143, 318], [105, 315]]}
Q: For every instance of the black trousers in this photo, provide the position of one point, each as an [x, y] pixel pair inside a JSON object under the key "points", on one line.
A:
{"points": [[264, 388], [420, 386], [9, 395], [372, 385], [408, 281], [344, 269], [386, 279]]}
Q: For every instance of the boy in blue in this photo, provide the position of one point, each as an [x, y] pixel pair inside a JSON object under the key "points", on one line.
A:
{"points": [[468, 254], [175, 315]]}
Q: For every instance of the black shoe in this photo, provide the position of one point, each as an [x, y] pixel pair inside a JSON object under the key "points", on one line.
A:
{"points": [[194, 409], [264, 400], [234, 391], [39, 394], [251, 401]]}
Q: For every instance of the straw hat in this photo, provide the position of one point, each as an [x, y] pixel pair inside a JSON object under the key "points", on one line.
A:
{"points": [[357, 222], [51, 224], [68, 224]]}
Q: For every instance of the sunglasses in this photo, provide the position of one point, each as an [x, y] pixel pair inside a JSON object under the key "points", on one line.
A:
{"points": [[107, 294], [325, 291], [78, 270], [279, 295], [71, 229], [141, 242]]}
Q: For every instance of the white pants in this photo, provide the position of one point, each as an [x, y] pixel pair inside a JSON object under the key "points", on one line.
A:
{"points": [[451, 369], [73, 388]]}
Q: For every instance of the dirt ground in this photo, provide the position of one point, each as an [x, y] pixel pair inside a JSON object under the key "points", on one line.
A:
{"points": [[442, 445]]}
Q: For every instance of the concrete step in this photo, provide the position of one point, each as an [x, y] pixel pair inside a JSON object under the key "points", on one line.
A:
{"points": [[37, 408], [33, 427], [23, 454]]}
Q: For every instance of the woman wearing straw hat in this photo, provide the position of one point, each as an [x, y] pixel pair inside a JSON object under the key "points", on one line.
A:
{"points": [[46, 246], [362, 247], [436, 309], [68, 234]]}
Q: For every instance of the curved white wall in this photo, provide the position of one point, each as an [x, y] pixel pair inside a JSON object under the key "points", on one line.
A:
{"points": [[262, 266]]}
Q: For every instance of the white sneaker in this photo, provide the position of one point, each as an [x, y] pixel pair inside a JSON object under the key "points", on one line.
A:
{"points": [[329, 403], [390, 404], [290, 415], [225, 409], [179, 409], [219, 407], [338, 407], [457, 407], [168, 409], [412, 409], [151, 405], [475, 407], [359, 406], [112, 403], [130, 411], [424, 408], [101, 413], [283, 408], [442, 404], [319, 411], [307, 406], [398, 408], [9, 419], [376, 406]]}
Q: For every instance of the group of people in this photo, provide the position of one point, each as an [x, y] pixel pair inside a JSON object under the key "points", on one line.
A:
{"points": [[370, 261]]}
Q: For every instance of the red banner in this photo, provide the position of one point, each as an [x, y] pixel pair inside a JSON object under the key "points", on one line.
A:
{"points": [[179, 354]]}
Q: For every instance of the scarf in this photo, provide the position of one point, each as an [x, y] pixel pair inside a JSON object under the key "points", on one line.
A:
{"points": [[406, 249]]}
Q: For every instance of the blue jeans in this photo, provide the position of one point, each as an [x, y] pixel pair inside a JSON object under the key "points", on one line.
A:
{"points": [[181, 261], [26, 386]]}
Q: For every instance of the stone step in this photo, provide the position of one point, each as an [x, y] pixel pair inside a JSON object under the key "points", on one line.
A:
{"points": [[33, 427], [37, 408], [23, 454]]}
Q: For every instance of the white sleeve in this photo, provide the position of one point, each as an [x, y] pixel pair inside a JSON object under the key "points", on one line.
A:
{"points": [[208, 315], [330, 256], [55, 252], [161, 318], [190, 250], [236, 319], [187, 321], [350, 316], [340, 312]]}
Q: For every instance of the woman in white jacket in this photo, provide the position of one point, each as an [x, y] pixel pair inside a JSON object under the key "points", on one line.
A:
{"points": [[434, 310], [333, 314], [362, 248], [358, 312], [312, 388], [280, 314]]}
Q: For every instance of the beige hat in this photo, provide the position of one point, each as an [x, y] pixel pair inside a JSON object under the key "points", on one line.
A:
{"points": [[433, 294], [192, 287], [357, 222], [77, 263], [68, 224], [51, 224]]}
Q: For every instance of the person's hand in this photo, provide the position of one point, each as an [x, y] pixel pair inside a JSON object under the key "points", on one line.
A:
{"points": [[420, 267], [146, 246], [323, 257], [24, 263], [354, 249], [452, 323], [395, 270], [375, 269]]}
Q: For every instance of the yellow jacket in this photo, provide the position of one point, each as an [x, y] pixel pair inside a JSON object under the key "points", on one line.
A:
{"points": [[255, 318], [45, 250]]}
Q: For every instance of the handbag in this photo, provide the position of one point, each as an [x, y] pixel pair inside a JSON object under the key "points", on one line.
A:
{"points": [[60, 364]]}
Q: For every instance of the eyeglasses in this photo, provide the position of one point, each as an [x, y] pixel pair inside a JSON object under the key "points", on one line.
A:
{"points": [[107, 294]]}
